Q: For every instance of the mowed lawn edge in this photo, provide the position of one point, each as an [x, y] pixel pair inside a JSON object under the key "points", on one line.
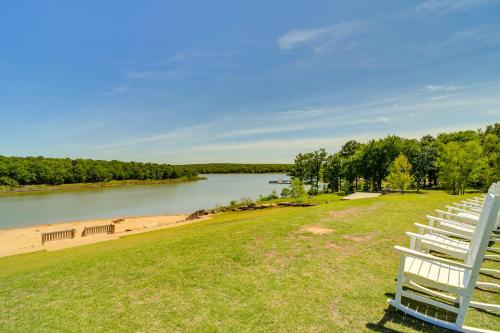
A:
{"points": [[328, 268]]}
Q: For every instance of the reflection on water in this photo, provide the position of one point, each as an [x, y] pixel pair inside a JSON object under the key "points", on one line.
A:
{"points": [[55, 207]]}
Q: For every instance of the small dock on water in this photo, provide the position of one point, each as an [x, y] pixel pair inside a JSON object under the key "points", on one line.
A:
{"points": [[280, 181]]}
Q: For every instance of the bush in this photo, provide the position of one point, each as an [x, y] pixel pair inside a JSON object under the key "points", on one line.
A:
{"points": [[7, 181], [297, 188], [286, 193], [246, 200], [269, 197]]}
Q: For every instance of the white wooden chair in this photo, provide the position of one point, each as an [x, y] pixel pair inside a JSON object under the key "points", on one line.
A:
{"points": [[464, 208], [446, 234], [463, 212], [446, 280], [463, 229], [464, 216], [451, 244], [463, 225]]}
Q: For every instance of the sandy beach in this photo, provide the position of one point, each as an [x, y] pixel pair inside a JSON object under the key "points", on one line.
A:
{"points": [[29, 239]]}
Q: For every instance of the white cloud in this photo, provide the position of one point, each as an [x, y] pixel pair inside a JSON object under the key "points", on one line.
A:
{"points": [[438, 88], [279, 136], [116, 90], [446, 6], [148, 75], [141, 75], [324, 37], [287, 145], [438, 98], [486, 35]]}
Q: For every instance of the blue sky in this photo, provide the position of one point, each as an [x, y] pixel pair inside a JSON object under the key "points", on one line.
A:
{"points": [[240, 81]]}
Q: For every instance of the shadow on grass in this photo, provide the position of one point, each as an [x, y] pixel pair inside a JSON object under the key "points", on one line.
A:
{"points": [[392, 315], [490, 276], [408, 192]]}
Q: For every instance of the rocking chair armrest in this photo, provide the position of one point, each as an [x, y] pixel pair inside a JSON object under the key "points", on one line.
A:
{"points": [[405, 251], [458, 209], [456, 223], [462, 219], [440, 231], [422, 237]]}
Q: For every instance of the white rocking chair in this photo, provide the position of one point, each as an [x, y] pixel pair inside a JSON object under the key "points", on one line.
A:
{"points": [[447, 280]]}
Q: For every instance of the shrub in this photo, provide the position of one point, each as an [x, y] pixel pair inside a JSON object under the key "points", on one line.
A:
{"points": [[7, 181], [286, 193], [269, 197]]}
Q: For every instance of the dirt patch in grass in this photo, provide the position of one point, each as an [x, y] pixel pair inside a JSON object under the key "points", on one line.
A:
{"points": [[349, 212], [330, 245], [276, 262], [341, 250], [358, 238], [317, 230]]}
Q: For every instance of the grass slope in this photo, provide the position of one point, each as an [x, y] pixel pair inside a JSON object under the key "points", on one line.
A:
{"points": [[256, 271]]}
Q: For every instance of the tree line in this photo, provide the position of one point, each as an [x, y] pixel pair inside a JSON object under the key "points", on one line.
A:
{"points": [[452, 161], [238, 168], [16, 171]]}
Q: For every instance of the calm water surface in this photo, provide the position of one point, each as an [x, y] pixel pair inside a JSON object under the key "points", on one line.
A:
{"points": [[29, 209]]}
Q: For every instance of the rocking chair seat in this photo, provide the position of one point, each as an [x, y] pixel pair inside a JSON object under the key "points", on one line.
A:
{"points": [[448, 276]]}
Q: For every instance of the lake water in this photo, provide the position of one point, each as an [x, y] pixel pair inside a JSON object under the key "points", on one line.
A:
{"points": [[53, 207]]}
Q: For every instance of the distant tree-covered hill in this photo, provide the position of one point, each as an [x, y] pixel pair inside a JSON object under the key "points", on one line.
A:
{"points": [[55, 171], [237, 168]]}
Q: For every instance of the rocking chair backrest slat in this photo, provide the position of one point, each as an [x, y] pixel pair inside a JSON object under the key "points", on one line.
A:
{"points": [[480, 225], [485, 226]]}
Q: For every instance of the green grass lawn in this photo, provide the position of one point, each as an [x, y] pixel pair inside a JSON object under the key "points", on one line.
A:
{"points": [[252, 271]]}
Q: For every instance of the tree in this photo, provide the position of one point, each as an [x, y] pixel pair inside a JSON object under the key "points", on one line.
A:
{"points": [[349, 148], [429, 157], [400, 176], [350, 172], [412, 150], [491, 155], [308, 168], [350, 164], [377, 157], [297, 188], [9, 182], [332, 172], [448, 165], [53, 171], [459, 163], [493, 129]]}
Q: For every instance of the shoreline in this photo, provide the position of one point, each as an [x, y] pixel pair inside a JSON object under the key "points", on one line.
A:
{"points": [[26, 239], [91, 220], [34, 189]]}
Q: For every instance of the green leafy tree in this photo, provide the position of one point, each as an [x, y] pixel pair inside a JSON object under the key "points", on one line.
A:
{"points": [[332, 172], [308, 168], [400, 175], [53, 171], [493, 129], [377, 158], [428, 160], [9, 182], [350, 156], [491, 155], [459, 163], [297, 188]]}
